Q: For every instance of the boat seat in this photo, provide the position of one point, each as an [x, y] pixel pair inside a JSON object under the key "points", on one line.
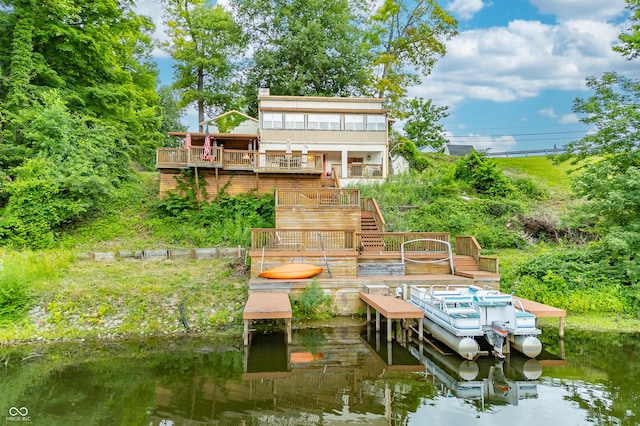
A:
{"points": [[462, 313], [523, 314]]}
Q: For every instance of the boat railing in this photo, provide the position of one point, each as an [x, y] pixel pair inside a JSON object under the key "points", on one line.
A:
{"points": [[420, 244]]}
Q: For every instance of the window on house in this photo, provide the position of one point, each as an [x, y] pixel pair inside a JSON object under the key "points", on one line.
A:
{"points": [[294, 121], [323, 121], [271, 120], [354, 122], [376, 122]]}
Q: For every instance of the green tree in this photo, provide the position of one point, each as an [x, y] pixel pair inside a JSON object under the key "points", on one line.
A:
{"points": [[171, 115], [58, 56], [205, 39], [403, 37], [422, 123], [304, 47], [95, 53], [610, 183], [630, 46]]}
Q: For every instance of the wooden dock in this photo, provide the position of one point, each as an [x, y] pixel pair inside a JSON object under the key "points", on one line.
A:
{"points": [[266, 306], [391, 308], [541, 310]]}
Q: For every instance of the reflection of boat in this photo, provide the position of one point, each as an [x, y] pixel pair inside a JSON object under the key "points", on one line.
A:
{"points": [[457, 315], [291, 271], [500, 381]]}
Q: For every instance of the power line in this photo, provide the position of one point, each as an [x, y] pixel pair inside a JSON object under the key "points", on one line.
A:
{"points": [[517, 134]]}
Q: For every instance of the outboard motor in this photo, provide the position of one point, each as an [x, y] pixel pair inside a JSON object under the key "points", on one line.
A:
{"points": [[496, 337]]}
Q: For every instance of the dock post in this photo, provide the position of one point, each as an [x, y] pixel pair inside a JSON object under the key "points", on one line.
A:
{"points": [[288, 321], [377, 321], [389, 334], [245, 334], [561, 327]]}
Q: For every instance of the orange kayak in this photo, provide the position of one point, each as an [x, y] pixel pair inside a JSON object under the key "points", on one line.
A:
{"points": [[291, 271]]}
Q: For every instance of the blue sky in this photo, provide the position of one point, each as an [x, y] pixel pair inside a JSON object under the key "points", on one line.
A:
{"points": [[511, 75]]}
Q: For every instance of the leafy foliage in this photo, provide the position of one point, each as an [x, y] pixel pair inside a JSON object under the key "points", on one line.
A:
{"points": [[312, 303], [304, 47], [205, 39], [483, 175], [586, 280], [404, 36], [60, 166], [422, 123], [225, 221], [76, 169]]}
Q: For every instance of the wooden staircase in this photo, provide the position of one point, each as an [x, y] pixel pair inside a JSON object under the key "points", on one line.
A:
{"points": [[370, 237], [368, 223], [466, 266]]}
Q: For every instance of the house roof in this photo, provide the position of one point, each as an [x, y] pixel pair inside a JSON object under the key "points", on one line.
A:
{"points": [[458, 150], [233, 111]]}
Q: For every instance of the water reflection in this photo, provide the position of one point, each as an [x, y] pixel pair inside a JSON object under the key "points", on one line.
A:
{"points": [[327, 376], [486, 380]]}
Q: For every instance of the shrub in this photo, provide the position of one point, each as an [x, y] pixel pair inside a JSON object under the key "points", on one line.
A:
{"points": [[482, 174], [312, 303]]}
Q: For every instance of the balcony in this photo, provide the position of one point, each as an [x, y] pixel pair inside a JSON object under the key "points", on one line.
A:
{"points": [[360, 170], [229, 159]]}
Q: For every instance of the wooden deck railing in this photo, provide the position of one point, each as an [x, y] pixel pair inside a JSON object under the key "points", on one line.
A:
{"points": [[318, 197], [282, 162], [272, 239], [469, 246], [238, 160], [363, 170], [392, 241]]}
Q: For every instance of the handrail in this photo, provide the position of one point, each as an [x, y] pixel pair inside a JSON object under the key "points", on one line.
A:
{"points": [[370, 205], [446, 243], [281, 239], [318, 197], [391, 241], [336, 178]]}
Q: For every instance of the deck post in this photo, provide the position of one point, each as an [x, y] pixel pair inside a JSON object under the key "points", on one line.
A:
{"points": [[389, 333], [288, 321], [245, 334], [368, 313], [561, 327], [377, 321], [420, 329]]}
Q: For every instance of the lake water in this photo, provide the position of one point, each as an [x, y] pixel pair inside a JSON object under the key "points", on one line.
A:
{"points": [[345, 374]]}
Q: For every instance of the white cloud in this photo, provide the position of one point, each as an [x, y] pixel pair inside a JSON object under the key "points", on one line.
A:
{"points": [[548, 112], [523, 59], [465, 9], [569, 119], [154, 10], [565, 10]]}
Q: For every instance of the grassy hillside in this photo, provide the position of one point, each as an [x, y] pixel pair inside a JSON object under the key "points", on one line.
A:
{"points": [[540, 169]]}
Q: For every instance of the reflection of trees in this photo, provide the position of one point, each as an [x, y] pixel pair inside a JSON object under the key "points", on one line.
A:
{"points": [[107, 383], [407, 395], [603, 376]]}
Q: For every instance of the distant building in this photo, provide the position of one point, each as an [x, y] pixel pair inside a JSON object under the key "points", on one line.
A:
{"points": [[458, 150]]}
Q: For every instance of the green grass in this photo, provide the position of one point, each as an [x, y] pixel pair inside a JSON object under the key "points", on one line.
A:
{"points": [[541, 169], [87, 299]]}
